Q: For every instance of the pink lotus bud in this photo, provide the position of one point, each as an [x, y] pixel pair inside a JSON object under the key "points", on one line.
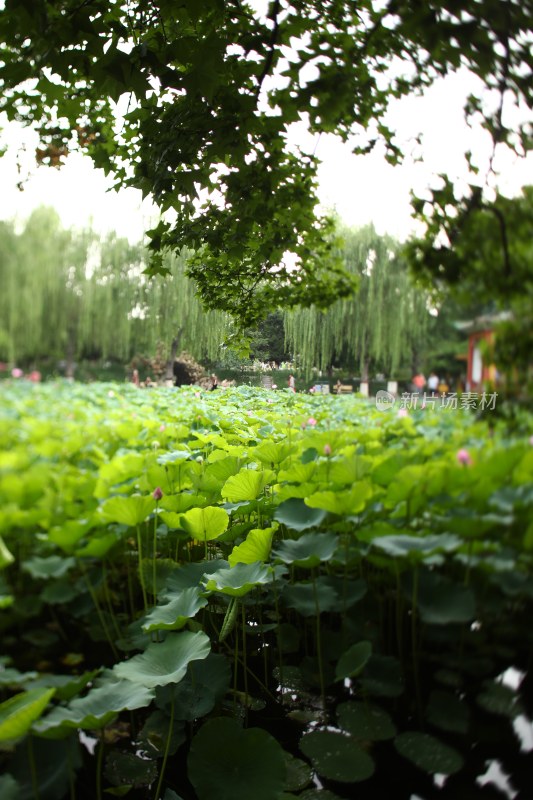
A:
{"points": [[162, 428], [327, 449], [16, 372], [250, 413], [463, 457], [274, 386], [197, 394], [531, 441], [403, 412], [157, 494], [311, 421]]}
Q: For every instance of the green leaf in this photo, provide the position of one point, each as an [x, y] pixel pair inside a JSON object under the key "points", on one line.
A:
{"points": [[19, 713], [9, 788], [297, 516], [97, 709], [48, 567], [305, 597], [308, 551], [343, 503], [165, 662], [129, 769], [205, 524], [353, 661], [238, 580], [366, 721], [173, 615], [246, 485], [383, 676], [442, 601], [299, 774], [447, 711], [242, 763], [497, 698], [256, 547], [337, 756], [129, 511], [428, 753], [416, 548], [6, 557]]}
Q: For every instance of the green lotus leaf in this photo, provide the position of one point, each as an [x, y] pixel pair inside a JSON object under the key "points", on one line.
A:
{"points": [[174, 457], [238, 580], [97, 709], [205, 524], [353, 661], [190, 574], [417, 548], [175, 504], [123, 768], [67, 535], [6, 556], [366, 721], [54, 763], [307, 551], [129, 511], [497, 698], [173, 615], [241, 763], [447, 711], [153, 735], [310, 599], [9, 787], [272, 452], [204, 685], [99, 546], [246, 485], [441, 601], [343, 503], [428, 753], [349, 469], [19, 713], [383, 676], [337, 756], [298, 516], [256, 547], [66, 686], [299, 773], [48, 567], [165, 662], [297, 472]]}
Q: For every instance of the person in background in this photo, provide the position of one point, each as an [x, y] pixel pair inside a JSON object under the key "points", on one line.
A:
{"points": [[292, 383], [419, 382], [214, 382], [433, 383], [135, 378]]}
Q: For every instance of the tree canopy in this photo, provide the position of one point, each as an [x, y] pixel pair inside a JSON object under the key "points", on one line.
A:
{"points": [[210, 89]]}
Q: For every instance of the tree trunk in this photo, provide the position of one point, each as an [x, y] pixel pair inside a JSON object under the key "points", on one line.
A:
{"points": [[169, 374], [365, 370]]}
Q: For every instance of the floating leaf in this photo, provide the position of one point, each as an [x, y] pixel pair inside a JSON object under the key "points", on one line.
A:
{"points": [[307, 551], [205, 524], [19, 713], [153, 734], [442, 601], [299, 774], [447, 711], [497, 698], [353, 661], [297, 516], [127, 768], [165, 662], [9, 788], [337, 756], [383, 676], [366, 721], [428, 753], [241, 763]]}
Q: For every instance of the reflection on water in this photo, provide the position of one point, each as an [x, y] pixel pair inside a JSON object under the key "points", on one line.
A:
{"points": [[497, 776]]}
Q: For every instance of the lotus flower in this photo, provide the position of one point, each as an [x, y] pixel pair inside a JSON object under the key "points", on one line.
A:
{"points": [[311, 421], [157, 494], [327, 449], [403, 412], [464, 457]]}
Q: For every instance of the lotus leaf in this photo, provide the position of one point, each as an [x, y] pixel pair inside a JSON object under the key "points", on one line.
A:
{"points": [[165, 662], [428, 753], [242, 763], [337, 756]]}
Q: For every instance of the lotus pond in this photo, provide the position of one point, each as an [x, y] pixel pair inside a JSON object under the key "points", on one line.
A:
{"points": [[246, 594]]}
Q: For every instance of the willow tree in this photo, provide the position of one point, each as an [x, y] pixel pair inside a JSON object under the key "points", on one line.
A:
{"points": [[67, 294], [170, 311], [380, 326]]}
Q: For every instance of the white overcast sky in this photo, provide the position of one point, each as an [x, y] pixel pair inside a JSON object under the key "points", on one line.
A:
{"points": [[361, 189]]}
